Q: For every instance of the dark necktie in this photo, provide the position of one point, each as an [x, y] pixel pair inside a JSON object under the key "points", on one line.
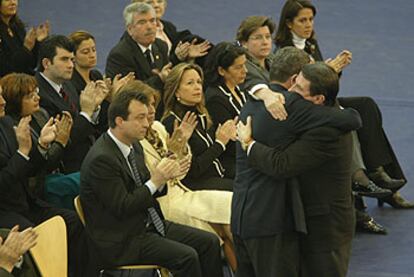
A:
{"points": [[149, 59], [155, 218], [65, 97]]}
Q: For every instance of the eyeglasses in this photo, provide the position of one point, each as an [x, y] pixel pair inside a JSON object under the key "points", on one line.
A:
{"points": [[33, 94], [261, 37]]}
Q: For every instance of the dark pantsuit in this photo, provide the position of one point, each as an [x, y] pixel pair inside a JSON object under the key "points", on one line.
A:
{"points": [[375, 148], [253, 256]]}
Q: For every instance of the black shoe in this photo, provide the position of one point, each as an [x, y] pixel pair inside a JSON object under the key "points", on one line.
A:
{"points": [[370, 190], [371, 226], [383, 180], [396, 201]]}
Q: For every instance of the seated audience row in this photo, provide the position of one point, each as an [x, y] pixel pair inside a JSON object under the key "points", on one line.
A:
{"points": [[170, 149]]}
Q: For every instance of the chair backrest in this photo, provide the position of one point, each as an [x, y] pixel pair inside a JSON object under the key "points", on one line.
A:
{"points": [[163, 272], [79, 210], [51, 253]]}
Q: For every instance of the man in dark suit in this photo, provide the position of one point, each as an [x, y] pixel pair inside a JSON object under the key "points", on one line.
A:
{"points": [[263, 212], [321, 157], [139, 50], [20, 158], [123, 218], [57, 94]]}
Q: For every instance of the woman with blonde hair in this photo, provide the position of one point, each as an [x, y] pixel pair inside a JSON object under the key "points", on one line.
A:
{"points": [[204, 209], [183, 92]]}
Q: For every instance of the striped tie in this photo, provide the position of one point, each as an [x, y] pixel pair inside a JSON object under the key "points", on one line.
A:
{"points": [[154, 216]]}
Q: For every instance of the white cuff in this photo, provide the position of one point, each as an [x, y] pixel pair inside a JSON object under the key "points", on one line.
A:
{"points": [[94, 118], [23, 155], [255, 88], [249, 148], [151, 186], [222, 144]]}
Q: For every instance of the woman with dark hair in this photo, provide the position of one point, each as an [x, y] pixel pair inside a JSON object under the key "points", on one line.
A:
{"points": [[85, 72], [85, 64], [18, 49], [22, 96], [183, 92], [225, 70], [85, 60], [296, 29]]}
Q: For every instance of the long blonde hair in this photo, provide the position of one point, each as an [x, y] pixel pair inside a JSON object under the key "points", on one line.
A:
{"points": [[172, 83]]}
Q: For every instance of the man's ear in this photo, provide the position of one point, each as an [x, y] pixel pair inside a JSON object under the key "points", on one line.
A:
{"points": [[118, 121], [128, 28], [319, 99], [46, 63], [220, 71], [292, 79]]}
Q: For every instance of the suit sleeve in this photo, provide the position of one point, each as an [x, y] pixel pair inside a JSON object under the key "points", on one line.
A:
{"points": [[4, 273], [16, 59], [108, 183], [308, 152], [304, 116], [253, 77], [81, 129], [13, 171], [117, 63]]}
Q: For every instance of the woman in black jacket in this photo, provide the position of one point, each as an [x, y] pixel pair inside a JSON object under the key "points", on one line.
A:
{"points": [[184, 92], [18, 49], [225, 70], [296, 29]]}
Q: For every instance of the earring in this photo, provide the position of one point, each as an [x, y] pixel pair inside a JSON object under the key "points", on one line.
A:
{"points": [[178, 98]]}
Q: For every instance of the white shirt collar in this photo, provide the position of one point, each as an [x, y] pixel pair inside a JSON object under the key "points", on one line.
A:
{"points": [[125, 149], [55, 86], [143, 48], [298, 42]]}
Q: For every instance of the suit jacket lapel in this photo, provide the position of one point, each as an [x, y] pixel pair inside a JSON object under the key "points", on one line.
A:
{"points": [[118, 154], [139, 57], [156, 54], [48, 94]]}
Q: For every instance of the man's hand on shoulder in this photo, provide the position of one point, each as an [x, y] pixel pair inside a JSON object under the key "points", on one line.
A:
{"points": [[274, 103]]}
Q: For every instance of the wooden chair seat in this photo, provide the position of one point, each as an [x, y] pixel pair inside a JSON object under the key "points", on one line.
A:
{"points": [[163, 271]]}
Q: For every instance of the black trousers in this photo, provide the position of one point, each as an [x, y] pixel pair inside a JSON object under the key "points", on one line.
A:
{"points": [[272, 256], [185, 251], [325, 263], [77, 250], [375, 147]]}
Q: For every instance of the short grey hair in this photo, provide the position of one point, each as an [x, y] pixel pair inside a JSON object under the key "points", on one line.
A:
{"points": [[139, 8]]}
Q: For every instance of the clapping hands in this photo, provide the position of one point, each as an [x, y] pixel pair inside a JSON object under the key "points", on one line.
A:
{"points": [[177, 143]]}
